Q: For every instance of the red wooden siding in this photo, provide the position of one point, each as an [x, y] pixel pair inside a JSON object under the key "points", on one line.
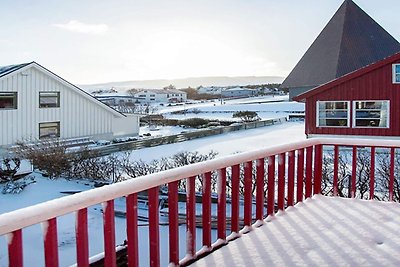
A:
{"points": [[374, 85]]}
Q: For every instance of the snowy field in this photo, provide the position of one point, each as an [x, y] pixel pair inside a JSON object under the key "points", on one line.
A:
{"points": [[229, 143], [44, 189], [165, 130], [267, 107]]}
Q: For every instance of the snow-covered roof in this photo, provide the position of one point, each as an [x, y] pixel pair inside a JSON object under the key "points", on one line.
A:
{"points": [[238, 89], [162, 91]]}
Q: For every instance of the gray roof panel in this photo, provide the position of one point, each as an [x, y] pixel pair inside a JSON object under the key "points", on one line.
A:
{"points": [[4, 70]]}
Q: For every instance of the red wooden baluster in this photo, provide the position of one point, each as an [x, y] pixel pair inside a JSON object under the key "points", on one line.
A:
{"points": [[353, 173], [15, 251], [132, 230], [318, 169], [291, 168], [173, 219], [335, 170], [222, 204], [154, 232], [271, 186], [281, 181], [82, 243], [309, 159], [248, 181], [191, 216], [391, 179], [260, 189], [300, 174], [235, 198], [50, 243], [109, 234], [372, 174], [206, 216]]}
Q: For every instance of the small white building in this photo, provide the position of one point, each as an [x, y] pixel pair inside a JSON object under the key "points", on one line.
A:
{"points": [[161, 95], [35, 103]]}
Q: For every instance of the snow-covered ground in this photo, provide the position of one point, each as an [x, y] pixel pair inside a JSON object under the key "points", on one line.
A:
{"points": [[267, 107], [217, 102], [229, 143], [164, 130]]}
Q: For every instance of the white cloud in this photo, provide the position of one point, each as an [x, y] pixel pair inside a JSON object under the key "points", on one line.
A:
{"points": [[77, 26]]}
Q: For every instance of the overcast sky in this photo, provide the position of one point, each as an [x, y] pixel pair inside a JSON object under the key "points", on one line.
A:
{"points": [[93, 41]]}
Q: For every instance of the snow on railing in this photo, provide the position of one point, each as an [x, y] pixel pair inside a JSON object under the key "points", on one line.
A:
{"points": [[271, 178]]}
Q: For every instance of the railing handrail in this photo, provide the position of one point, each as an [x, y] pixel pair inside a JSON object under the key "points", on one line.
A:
{"points": [[31, 215]]}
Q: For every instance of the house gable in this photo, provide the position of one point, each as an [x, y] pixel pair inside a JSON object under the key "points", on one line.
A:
{"points": [[355, 74], [371, 84], [23, 67]]}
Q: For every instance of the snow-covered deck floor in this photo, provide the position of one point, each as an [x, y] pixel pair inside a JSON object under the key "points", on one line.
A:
{"points": [[322, 231]]}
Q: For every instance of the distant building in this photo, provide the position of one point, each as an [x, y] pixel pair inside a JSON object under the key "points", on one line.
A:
{"points": [[350, 40], [161, 95], [116, 98], [238, 92], [35, 104], [211, 90]]}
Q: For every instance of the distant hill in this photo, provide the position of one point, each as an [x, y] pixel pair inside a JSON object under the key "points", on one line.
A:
{"points": [[184, 83]]}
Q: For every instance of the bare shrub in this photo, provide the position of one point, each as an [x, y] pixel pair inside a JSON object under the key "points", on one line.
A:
{"points": [[48, 156], [138, 168]]}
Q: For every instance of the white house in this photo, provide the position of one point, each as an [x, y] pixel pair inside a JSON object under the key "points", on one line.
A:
{"points": [[35, 103], [161, 95]]}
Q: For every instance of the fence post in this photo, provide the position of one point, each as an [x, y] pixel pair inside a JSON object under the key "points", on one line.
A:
{"points": [[309, 174], [271, 186], [154, 233], [318, 157]]}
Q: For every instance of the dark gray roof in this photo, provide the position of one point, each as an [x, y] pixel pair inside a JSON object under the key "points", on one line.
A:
{"points": [[4, 70], [350, 40]]}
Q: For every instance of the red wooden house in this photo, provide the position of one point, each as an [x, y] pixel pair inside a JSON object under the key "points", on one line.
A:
{"points": [[365, 102]]}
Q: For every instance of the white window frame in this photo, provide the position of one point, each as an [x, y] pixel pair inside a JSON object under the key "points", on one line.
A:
{"points": [[13, 96], [49, 94], [354, 105], [49, 125], [347, 119], [394, 74]]}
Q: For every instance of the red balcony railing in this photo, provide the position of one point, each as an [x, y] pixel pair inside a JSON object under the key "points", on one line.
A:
{"points": [[248, 187]]}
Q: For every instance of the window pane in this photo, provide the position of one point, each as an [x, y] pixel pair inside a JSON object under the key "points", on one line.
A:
{"points": [[397, 68], [332, 105], [398, 78], [49, 130], [333, 122], [333, 113], [49, 99], [371, 113], [8, 100]]}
